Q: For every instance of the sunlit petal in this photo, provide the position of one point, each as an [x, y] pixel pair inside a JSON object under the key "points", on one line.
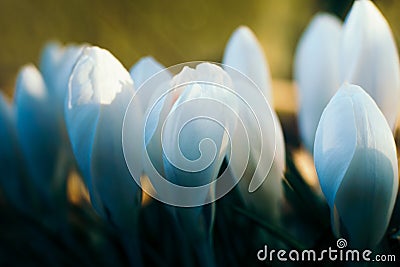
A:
{"points": [[99, 91]]}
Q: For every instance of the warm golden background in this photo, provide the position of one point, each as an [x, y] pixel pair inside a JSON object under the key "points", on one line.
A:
{"points": [[171, 31]]}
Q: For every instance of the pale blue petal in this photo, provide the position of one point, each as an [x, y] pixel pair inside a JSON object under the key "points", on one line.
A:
{"points": [[56, 65], [316, 72], [194, 145], [356, 162], [49, 61], [151, 80], [37, 128], [244, 53], [64, 69], [372, 176], [195, 140], [145, 68], [99, 92], [335, 143], [141, 73], [370, 57]]}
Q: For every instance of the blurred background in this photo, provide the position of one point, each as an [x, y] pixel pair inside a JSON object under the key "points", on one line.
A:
{"points": [[171, 31]]}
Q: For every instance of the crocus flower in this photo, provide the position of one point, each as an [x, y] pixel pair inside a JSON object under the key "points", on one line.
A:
{"points": [[316, 72], [245, 54], [189, 141], [187, 119], [369, 57], [38, 133], [56, 65], [100, 89], [39, 101], [144, 69], [356, 162], [191, 127], [141, 72]]}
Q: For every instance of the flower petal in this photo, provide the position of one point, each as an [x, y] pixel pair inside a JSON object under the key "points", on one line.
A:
{"points": [[150, 77], [370, 57], [145, 68], [356, 162], [244, 53], [316, 71], [195, 137], [56, 64], [50, 59], [335, 144], [99, 92]]}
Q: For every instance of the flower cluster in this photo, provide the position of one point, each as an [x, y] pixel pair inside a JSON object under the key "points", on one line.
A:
{"points": [[349, 127]]}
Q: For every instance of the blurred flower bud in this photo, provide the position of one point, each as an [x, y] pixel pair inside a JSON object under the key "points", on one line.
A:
{"points": [[316, 72], [370, 58], [244, 53], [356, 162], [38, 134], [100, 89], [141, 72]]}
